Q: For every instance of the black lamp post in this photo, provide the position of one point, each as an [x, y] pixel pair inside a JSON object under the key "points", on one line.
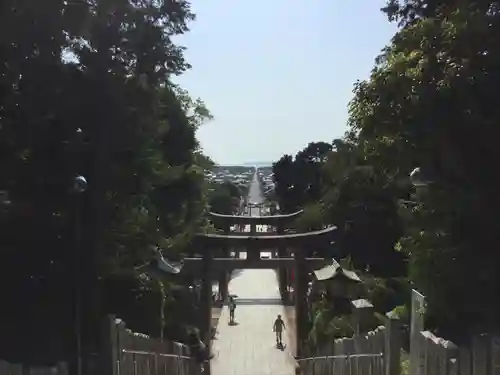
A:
{"points": [[160, 269], [79, 187], [79, 184], [418, 178]]}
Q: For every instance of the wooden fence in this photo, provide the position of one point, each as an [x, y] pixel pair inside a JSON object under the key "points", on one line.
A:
{"points": [[378, 352], [432, 355], [375, 352], [355, 364], [7, 368], [132, 353], [123, 352]]}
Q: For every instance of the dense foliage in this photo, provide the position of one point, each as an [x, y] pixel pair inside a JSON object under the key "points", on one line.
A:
{"points": [[225, 198], [430, 102], [298, 179], [86, 88], [335, 186]]}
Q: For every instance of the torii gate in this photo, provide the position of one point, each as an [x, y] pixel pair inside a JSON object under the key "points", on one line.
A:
{"points": [[210, 267], [278, 222]]}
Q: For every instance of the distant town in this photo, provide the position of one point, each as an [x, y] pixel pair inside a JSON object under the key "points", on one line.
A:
{"points": [[242, 176]]}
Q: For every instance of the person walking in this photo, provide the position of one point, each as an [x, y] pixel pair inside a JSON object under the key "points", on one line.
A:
{"points": [[278, 327], [232, 307]]}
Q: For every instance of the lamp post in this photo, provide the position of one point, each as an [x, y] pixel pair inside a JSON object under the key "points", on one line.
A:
{"points": [[418, 178], [160, 269], [79, 187], [79, 184]]}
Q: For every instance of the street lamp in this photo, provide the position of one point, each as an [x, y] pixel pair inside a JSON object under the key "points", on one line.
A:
{"points": [[79, 187], [159, 269], [79, 184], [418, 178]]}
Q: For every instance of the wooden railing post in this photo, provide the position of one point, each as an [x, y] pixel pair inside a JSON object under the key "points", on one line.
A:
{"points": [[224, 275], [392, 354], [108, 353], [481, 354], [282, 271], [206, 302]]}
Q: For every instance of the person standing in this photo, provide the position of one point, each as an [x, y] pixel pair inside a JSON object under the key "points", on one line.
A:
{"points": [[278, 327], [232, 307]]}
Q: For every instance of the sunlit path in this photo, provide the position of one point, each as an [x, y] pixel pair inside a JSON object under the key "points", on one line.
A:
{"points": [[249, 348]]}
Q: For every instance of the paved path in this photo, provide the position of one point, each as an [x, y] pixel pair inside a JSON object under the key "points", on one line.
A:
{"points": [[249, 348]]}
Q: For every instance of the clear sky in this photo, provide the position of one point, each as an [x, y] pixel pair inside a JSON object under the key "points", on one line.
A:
{"points": [[278, 74]]}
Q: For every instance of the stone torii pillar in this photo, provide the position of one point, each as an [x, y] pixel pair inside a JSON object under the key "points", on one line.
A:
{"points": [[224, 275], [300, 287], [252, 252], [253, 228], [282, 272]]}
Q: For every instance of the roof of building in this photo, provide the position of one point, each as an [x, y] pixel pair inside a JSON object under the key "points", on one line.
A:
{"points": [[333, 271]]}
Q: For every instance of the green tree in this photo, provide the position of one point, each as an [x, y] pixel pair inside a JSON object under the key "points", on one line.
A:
{"points": [[103, 68], [308, 165], [225, 198], [284, 180], [430, 91], [298, 180], [337, 187]]}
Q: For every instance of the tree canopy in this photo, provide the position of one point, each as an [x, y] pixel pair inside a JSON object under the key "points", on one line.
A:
{"points": [[225, 198], [86, 88], [429, 102], [299, 179]]}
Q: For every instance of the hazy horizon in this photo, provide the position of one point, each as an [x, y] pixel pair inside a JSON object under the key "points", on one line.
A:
{"points": [[278, 74], [248, 164]]}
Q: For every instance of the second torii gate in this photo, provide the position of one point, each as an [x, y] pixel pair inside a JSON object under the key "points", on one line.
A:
{"points": [[278, 222]]}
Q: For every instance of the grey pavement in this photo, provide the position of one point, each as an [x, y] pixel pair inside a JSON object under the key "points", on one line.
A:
{"points": [[249, 348]]}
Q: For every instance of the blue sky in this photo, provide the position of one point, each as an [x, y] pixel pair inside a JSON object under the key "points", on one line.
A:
{"points": [[278, 74]]}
